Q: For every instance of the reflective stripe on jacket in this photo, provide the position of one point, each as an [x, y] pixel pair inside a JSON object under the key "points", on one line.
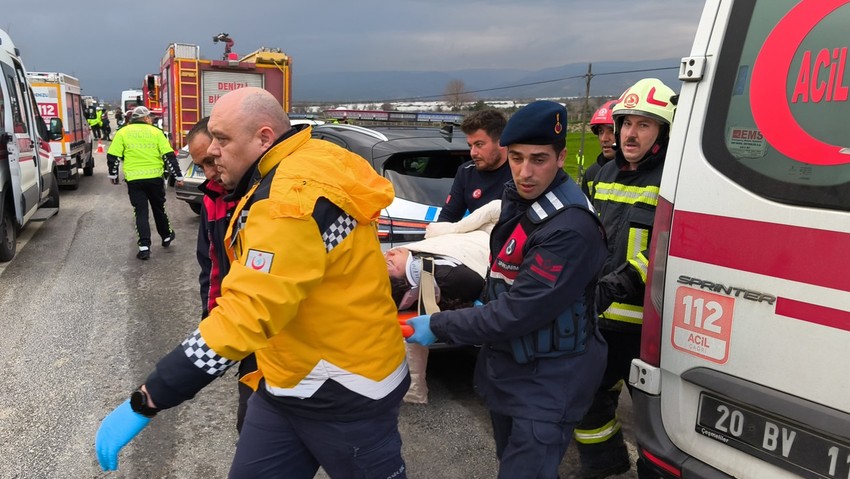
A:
{"points": [[307, 291], [626, 200], [142, 146], [320, 307]]}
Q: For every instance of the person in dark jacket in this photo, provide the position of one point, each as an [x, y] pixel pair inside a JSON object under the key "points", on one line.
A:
{"points": [[212, 255], [482, 179], [625, 194], [215, 216], [105, 127], [602, 125], [542, 357]]}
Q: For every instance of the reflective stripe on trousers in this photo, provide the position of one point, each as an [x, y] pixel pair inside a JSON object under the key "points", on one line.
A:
{"points": [[598, 435]]}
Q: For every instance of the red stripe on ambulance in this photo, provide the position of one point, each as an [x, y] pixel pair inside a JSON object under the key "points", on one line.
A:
{"points": [[806, 255], [813, 313]]}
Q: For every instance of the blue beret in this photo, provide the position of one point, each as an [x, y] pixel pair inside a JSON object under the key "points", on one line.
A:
{"points": [[542, 122]]}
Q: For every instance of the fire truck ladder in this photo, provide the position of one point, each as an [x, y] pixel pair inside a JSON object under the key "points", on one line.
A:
{"points": [[188, 97]]}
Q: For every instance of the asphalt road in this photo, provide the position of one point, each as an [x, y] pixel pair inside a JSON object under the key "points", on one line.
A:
{"points": [[84, 322]]}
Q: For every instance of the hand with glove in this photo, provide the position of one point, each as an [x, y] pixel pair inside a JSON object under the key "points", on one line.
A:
{"points": [[623, 285], [421, 330], [119, 428]]}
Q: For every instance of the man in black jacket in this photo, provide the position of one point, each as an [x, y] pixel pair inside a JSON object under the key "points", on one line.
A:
{"points": [[482, 179]]}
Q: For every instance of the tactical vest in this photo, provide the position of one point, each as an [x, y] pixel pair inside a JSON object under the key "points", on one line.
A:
{"points": [[568, 333]]}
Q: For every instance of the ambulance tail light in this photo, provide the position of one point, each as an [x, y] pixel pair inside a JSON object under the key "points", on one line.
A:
{"points": [[650, 342], [670, 469]]}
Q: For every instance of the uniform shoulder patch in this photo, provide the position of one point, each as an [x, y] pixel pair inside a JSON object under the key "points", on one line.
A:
{"points": [[259, 260], [546, 267]]}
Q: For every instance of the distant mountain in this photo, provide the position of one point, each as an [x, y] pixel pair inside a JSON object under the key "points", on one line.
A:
{"points": [[609, 79]]}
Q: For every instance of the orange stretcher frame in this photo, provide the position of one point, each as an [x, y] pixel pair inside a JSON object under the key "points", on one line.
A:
{"points": [[403, 316]]}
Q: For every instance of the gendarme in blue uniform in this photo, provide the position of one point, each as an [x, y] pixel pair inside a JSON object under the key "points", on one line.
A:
{"points": [[542, 357], [534, 278]]}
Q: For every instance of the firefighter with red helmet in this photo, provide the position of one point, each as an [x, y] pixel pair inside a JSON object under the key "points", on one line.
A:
{"points": [[602, 125], [625, 194]]}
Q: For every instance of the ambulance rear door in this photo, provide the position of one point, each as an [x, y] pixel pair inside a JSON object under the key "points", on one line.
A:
{"points": [[756, 293]]}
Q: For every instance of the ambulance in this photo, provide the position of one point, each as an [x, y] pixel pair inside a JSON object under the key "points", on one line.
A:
{"points": [[60, 103], [745, 358], [131, 99], [28, 188]]}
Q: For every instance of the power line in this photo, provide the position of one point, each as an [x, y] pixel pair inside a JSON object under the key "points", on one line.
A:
{"points": [[519, 85]]}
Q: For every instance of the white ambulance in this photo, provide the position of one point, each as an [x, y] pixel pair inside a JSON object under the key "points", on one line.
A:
{"points": [[131, 99], [745, 356], [28, 187], [60, 104]]}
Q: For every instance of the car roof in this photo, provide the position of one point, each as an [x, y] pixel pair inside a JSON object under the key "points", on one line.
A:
{"points": [[383, 141]]}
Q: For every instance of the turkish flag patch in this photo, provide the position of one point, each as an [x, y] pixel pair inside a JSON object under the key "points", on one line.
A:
{"points": [[546, 267], [259, 260]]}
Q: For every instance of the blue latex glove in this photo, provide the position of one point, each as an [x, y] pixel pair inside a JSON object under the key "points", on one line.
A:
{"points": [[477, 304], [115, 431], [421, 330]]}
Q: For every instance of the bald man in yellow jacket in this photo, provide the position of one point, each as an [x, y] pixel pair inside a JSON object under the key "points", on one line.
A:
{"points": [[308, 293]]}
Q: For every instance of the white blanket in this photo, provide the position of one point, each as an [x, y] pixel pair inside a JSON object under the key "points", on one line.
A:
{"points": [[467, 241]]}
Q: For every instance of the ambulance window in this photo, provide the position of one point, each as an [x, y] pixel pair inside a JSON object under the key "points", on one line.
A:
{"points": [[777, 117], [69, 112], [15, 100], [2, 110]]}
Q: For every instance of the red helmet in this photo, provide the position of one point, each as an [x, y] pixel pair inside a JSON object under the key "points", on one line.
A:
{"points": [[602, 116]]}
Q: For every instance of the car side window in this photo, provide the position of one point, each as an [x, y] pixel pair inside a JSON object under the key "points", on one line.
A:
{"points": [[414, 166], [433, 165], [332, 139]]}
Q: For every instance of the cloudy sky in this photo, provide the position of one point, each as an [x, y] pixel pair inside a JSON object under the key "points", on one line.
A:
{"points": [[111, 45]]}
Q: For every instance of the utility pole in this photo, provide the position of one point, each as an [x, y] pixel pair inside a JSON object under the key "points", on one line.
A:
{"points": [[580, 156]]}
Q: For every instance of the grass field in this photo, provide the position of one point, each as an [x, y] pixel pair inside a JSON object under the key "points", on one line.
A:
{"points": [[591, 151]]}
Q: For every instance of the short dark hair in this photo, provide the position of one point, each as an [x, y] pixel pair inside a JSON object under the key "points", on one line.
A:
{"points": [[492, 121], [399, 286], [200, 127], [559, 145]]}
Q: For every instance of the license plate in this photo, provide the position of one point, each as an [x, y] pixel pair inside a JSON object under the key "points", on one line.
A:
{"points": [[796, 448]]}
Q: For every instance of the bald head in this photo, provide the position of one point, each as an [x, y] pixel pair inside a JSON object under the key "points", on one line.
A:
{"points": [[256, 108], [244, 124]]}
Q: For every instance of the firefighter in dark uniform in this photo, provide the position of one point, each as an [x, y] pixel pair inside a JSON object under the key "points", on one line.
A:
{"points": [[542, 357], [602, 125], [482, 179], [145, 152], [625, 195]]}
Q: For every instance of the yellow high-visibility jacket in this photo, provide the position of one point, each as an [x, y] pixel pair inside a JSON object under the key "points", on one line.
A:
{"points": [[308, 289]]}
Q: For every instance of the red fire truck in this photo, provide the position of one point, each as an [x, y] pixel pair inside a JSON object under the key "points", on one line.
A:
{"points": [[150, 94], [190, 85]]}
